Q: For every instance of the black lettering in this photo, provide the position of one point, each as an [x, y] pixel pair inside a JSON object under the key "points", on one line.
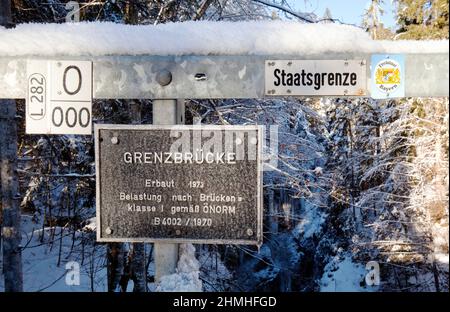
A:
{"points": [[322, 82], [288, 79], [353, 79], [338, 79], [330, 79], [283, 77], [303, 77], [317, 81], [297, 79], [71, 123], [61, 116], [277, 81], [345, 83], [87, 115], [309, 78], [65, 80]]}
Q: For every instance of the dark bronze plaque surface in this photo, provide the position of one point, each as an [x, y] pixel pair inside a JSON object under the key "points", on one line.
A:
{"points": [[200, 184]]}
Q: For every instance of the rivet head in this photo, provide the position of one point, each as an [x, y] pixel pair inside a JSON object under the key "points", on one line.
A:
{"points": [[108, 230], [114, 140], [164, 77], [249, 232], [178, 232]]}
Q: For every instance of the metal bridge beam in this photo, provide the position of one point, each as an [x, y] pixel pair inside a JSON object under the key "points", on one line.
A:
{"points": [[213, 77]]}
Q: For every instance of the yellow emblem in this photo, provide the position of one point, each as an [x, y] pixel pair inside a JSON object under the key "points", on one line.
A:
{"points": [[387, 76]]}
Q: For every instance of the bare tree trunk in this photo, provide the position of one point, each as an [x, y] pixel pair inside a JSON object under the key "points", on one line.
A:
{"points": [[138, 267], [12, 254], [202, 9], [5, 13], [116, 257], [131, 12], [273, 212]]}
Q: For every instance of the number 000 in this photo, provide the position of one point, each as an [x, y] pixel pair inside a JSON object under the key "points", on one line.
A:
{"points": [[71, 117]]}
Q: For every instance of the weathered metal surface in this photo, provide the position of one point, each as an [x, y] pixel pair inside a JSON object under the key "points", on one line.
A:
{"points": [[200, 77], [207, 202]]}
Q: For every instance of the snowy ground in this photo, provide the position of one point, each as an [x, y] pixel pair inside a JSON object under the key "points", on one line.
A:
{"points": [[343, 275], [41, 271]]}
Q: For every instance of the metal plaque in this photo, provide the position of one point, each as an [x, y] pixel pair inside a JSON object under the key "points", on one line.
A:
{"points": [[199, 184], [315, 77], [59, 97]]}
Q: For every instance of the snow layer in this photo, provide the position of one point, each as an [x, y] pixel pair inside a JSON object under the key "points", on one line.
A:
{"points": [[201, 38], [41, 271], [187, 276], [344, 275]]}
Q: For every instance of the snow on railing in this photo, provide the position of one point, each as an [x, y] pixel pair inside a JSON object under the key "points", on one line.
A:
{"points": [[200, 38]]}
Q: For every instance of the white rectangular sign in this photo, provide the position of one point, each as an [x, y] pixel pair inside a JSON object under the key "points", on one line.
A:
{"points": [[315, 77], [59, 97]]}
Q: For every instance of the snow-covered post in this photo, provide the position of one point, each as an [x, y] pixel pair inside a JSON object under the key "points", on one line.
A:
{"points": [[166, 112], [9, 189]]}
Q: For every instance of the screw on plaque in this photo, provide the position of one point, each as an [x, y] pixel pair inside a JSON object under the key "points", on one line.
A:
{"points": [[115, 140], [288, 91], [346, 63], [58, 64], [249, 232], [289, 63], [178, 232], [108, 230]]}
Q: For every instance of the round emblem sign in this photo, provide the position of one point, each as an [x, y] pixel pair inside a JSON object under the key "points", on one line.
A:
{"points": [[387, 76]]}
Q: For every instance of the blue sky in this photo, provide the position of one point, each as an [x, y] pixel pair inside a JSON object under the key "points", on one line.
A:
{"points": [[348, 11]]}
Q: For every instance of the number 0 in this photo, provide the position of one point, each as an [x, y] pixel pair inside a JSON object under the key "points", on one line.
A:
{"points": [[61, 116], [79, 80], [88, 117]]}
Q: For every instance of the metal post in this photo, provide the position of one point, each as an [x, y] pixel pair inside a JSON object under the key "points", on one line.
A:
{"points": [[137, 262], [166, 112]]}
